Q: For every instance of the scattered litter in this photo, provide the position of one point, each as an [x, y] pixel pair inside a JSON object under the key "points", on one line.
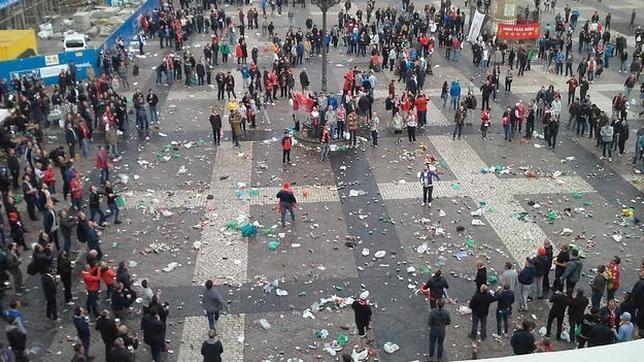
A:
{"points": [[390, 347], [264, 323], [380, 254], [172, 266], [477, 222]]}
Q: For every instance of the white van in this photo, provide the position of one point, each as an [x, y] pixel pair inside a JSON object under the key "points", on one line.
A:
{"points": [[74, 41]]}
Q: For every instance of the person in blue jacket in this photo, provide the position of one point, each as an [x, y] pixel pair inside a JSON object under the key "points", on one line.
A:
{"points": [[455, 93]]}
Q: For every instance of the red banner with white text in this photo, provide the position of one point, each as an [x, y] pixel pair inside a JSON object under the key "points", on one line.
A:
{"points": [[518, 31]]}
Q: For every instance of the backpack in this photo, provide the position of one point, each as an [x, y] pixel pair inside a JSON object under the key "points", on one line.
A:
{"points": [[135, 70], [472, 102]]}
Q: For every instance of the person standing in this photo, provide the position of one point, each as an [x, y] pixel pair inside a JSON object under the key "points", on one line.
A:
{"points": [[107, 327], [235, 126], [412, 123], [572, 274], [598, 286], [152, 100], [540, 263], [481, 274], [547, 245], [51, 223], [212, 349], [17, 340], [485, 122], [436, 286], [587, 324], [613, 272], [438, 320], [559, 302], [352, 126], [146, 296], [49, 287], [480, 306], [601, 333], [286, 202], [65, 271], [624, 332], [522, 340], [427, 177], [560, 265], [153, 331], [111, 197], [213, 303], [287, 144], [375, 125], [510, 277], [576, 310], [324, 143], [459, 119], [362, 312], [505, 299], [81, 322], [92, 279], [606, 134], [215, 123], [526, 280]]}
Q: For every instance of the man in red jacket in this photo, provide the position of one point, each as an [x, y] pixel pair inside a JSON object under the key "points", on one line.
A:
{"points": [[108, 276], [92, 279], [287, 143], [421, 109]]}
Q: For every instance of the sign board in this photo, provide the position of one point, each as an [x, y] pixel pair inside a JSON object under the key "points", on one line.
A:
{"points": [[475, 27], [52, 59], [518, 31]]}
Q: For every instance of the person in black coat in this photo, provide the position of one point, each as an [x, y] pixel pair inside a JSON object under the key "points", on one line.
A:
{"points": [[362, 312], [81, 322], [49, 287], [17, 340], [71, 138], [107, 327], [559, 302], [522, 340], [211, 349], [505, 299], [215, 123], [436, 285], [120, 353], [51, 223], [65, 271], [481, 275], [480, 306], [601, 334], [304, 79], [14, 167], [153, 334]]}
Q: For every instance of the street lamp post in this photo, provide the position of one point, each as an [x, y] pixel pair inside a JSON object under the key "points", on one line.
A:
{"points": [[324, 5]]}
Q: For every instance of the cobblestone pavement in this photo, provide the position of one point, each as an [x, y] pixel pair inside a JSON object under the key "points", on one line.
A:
{"points": [[349, 207]]}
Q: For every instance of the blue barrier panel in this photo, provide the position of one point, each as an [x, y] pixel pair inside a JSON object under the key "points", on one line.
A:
{"points": [[130, 26], [5, 3], [47, 67]]}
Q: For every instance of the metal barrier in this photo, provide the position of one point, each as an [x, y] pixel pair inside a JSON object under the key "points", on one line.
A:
{"points": [[47, 67]]}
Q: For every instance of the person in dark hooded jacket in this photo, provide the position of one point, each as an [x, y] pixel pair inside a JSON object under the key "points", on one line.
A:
{"points": [[363, 313], [436, 285], [153, 334], [212, 349]]}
